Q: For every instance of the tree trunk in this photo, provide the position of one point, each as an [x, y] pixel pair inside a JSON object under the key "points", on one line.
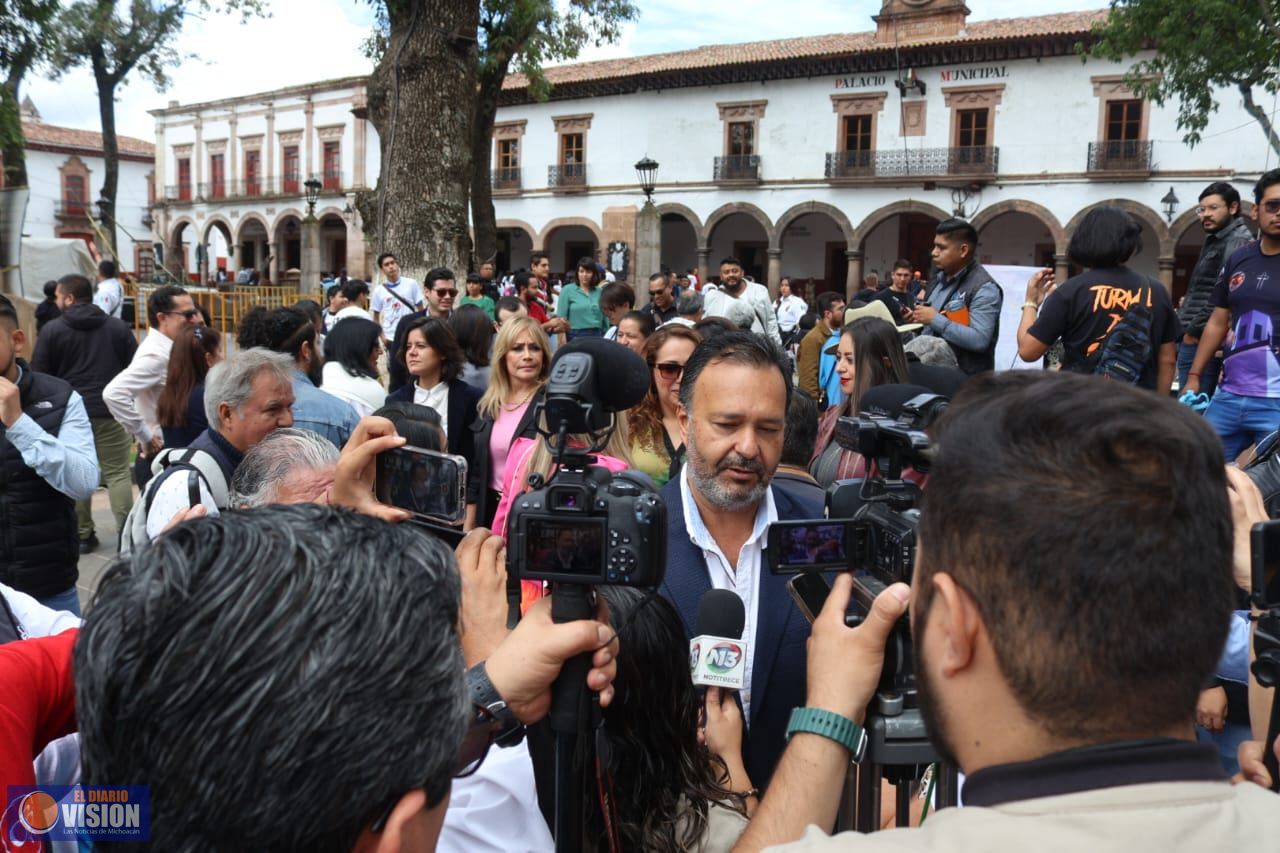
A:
{"points": [[422, 101], [110, 147], [1260, 116], [14, 152], [483, 217]]}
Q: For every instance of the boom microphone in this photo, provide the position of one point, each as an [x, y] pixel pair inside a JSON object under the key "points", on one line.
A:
{"points": [[621, 375], [718, 654], [893, 401]]}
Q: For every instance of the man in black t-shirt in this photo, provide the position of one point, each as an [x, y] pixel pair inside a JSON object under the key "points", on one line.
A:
{"points": [[900, 295], [1087, 310]]}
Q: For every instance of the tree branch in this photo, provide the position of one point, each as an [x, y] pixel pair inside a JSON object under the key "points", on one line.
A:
{"points": [[1259, 115]]}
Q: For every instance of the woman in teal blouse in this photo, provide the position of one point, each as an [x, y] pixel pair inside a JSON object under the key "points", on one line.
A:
{"points": [[580, 303]]}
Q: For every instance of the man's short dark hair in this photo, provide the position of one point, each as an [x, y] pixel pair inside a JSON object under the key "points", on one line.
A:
{"points": [[386, 255], [161, 301], [8, 311], [511, 303], [1268, 179], [522, 279], [689, 303], [354, 289], [438, 274], [711, 327], [615, 294], [107, 268], [958, 230], [902, 264], [730, 260], [658, 277], [827, 300], [78, 287], [1221, 188], [1106, 598], [1106, 237], [739, 347], [295, 636], [538, 256], [802, 429]]}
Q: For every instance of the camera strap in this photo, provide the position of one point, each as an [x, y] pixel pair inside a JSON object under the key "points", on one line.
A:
{"points": [[604, 790]]}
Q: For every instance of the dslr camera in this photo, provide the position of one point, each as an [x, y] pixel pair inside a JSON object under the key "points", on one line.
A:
{"points": [[586, 525]]}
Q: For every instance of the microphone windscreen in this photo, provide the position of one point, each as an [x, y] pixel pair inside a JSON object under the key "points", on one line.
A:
{"points": [[887, 400], [721, 614], [622, 377]]}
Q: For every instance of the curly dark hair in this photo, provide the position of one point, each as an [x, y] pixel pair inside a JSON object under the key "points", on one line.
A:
{"points": [[664, 782]]}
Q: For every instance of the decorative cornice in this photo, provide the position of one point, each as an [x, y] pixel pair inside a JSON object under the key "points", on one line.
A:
{"points": [[730, 110], [331, 132], [578, 123], [289, 137], [510, 129], [859, 104], [973, 96]]}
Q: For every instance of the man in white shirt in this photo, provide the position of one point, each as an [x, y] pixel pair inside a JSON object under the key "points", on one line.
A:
{"points": [[133, 395], [743, 302], [734, 397], [396, 298], [109, 295]]}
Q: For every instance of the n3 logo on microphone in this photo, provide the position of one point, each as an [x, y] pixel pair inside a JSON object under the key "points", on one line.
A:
{"points": [[724, 657]]}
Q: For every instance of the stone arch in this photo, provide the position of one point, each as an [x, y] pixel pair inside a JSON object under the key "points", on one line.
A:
{"points": [[519, 225], [287, 213], [804, 209], [176, 227], [725, 211], [331, 210], [541, 241], [987, 215], [214, 221], [879, 215], [1138, 211], [680, 210], [246, 219]]}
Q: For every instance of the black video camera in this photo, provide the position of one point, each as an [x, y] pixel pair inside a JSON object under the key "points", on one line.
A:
{"points": [[585, 525]]}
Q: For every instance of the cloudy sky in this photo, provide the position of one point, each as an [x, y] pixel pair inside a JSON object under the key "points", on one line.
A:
{"points": [[306, 40]]}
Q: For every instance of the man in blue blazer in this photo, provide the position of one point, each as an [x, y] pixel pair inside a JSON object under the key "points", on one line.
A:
{"points": [[734, 395]]}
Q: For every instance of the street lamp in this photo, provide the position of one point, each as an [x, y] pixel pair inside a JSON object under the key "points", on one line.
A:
{"points": [[1170, 204], [312, 187], [647, 171]]}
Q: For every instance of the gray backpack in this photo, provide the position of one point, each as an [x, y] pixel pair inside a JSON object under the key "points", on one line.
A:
{"points": [[202, 467]]}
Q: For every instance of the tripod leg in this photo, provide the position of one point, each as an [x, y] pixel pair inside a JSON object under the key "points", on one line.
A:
{"points": [[902, 790], [867, 815], [1268, 746]]}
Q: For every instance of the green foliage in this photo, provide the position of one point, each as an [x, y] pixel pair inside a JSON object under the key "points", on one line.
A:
{"points": [[27, 39], [1199, 44]]}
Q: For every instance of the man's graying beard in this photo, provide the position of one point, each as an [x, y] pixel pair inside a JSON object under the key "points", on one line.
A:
{"points": [[709, 486]]}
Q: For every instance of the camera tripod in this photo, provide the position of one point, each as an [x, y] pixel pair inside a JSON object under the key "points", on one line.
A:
{"points": [[1266, 668], [898, 750]]}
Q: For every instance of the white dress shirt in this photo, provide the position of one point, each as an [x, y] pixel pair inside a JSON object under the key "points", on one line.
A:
{"points": [[67, 461], [110, 297], [744, 579], [436, 398], [496, 809], [132, 397]]}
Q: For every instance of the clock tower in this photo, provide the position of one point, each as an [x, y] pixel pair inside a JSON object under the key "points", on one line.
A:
{"points": [[913, 20]]}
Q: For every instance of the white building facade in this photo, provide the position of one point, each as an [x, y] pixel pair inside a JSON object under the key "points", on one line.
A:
{"points": [[825, 159], [233, 173]]}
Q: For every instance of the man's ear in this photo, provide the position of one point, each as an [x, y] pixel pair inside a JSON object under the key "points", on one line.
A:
{"points": [[683, 416], [958, 624], [19, 339], [306, 352], [224, 412], [409, 827]]}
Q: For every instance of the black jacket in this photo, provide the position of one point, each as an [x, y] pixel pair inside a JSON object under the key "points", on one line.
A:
{"points": [[482, 469], [462, 414], [39, 541], [1218, 246], [87, 348]]}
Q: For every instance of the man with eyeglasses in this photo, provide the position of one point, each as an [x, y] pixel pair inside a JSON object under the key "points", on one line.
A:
{"points": [[133, 395], [1224, 232], [662, 301], [1246, 303]]}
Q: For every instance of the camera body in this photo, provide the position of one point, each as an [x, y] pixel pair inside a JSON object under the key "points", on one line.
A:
{"points": [[590, 527]]}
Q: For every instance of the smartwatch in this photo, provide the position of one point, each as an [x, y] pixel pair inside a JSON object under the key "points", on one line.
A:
{"points": [[832, 726], [489, 703]]}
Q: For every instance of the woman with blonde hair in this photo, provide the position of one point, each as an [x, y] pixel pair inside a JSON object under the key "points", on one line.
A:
{"points": [[657, 447], [518, 371]]}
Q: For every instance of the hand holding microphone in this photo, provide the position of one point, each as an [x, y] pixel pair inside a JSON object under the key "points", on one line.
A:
{"points": [[718, 654]]}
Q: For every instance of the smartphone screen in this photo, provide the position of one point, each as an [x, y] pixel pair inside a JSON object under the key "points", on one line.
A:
{"points": [[428, 484], [1265, 548], [810, 591]]}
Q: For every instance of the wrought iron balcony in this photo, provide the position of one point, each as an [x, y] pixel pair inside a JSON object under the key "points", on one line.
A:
{"points": [[70, 208], [567, 176], [330, 181], [737, 167], [213, 190], [249, 187], [851, 164], [1122, 156], [506, 179], [177, 192], [913, 163]]}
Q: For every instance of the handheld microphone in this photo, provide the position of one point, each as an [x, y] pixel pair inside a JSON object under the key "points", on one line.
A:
{"points": [[718, 654]]}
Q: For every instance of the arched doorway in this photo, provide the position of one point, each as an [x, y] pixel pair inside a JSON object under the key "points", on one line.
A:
{"points": [[333, 244], [565, 245], [515, 245], [813, 254], [216, 252], [288, 246], [679, 243], [1016, 238], [252, 240], [742, 235], [900, 230], [180, 260]]}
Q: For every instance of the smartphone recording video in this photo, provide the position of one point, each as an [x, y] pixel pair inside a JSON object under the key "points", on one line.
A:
{"points": [[430, 485]]}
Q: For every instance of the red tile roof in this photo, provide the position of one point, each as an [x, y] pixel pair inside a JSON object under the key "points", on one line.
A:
{"points": [[39, 133], [808, 47]]}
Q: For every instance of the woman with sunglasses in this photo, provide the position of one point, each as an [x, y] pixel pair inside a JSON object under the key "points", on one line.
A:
{"points": [[579, 304], [180, 408], [519, 367], [657, 447]]}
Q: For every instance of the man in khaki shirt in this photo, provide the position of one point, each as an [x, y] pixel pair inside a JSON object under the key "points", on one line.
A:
{"points": [[831, 308], [1071, 595]]}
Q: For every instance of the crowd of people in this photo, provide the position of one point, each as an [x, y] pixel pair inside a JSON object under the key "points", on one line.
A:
{"points": [[290, 663]]}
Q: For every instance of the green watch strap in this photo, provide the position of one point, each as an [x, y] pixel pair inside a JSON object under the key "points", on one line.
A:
{"points": [[831, 725]]}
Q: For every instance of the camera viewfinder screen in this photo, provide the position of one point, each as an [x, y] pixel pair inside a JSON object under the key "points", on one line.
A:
{"points": [[573, 547], [819, 545]]}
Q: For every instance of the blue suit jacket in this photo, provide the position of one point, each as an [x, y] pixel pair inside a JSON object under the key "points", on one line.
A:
{"points": [[778, 671]]}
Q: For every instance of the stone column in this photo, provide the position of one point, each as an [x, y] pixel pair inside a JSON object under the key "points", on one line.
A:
{"points": [[774, 274], [273, 268], [1061, 268], [161, 163], [704, 253], [853, 278], [269, 152], [646, 255], [1166, 273], [310, 282], [233, 158], [198, 154], [308, 143]]}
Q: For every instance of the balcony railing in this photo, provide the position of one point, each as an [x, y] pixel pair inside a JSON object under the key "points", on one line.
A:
{"points": [[912, 163], [506, 179], [851, 164], [330, 181], [177, 192], [71, 208], [213, 190], [567, 176], [249, 187], [737, 167], [1122, 156], [262, 185]]}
